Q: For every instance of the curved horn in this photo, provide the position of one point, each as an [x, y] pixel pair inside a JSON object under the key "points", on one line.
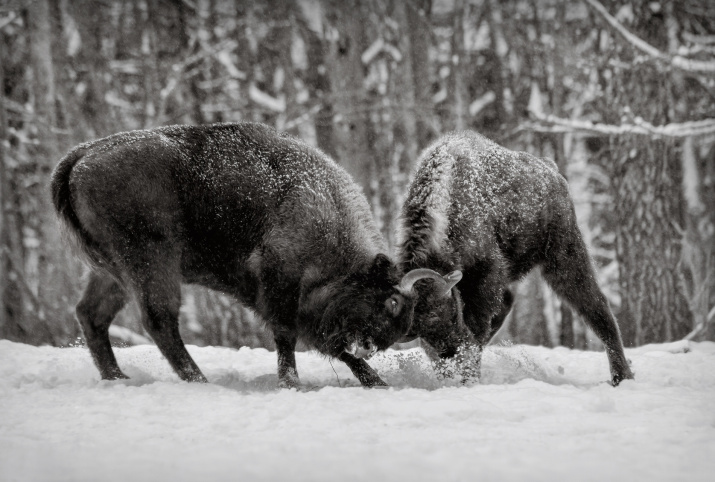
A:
{"points": [[415, 275], [447, 282], [451, 279]]}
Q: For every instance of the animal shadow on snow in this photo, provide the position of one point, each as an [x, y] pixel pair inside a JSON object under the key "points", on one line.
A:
{"points": [[269, 382], [501, 365]]}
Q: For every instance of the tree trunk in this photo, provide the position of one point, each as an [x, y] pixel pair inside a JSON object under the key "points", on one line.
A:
{"points": [[648, 205], [92, 105], [12, 305], [4, 195], [528, 323], [457, 79], [150, 65], [318, 84], [418, 26], [567, 335], [351, 129], [51, 296], [285, 19], [499, 48], [406, 131]]}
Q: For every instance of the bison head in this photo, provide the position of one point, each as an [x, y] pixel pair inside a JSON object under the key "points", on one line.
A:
{"points": [[368, 310], [437, 317]]}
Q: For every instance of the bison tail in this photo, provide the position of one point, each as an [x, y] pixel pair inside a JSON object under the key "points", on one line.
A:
{"points": [[70, 225]]}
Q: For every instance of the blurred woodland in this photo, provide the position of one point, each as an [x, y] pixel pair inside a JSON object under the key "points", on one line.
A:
{"points": [[620, 93]]}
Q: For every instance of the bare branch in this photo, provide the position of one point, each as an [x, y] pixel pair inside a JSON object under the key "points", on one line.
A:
{"points": [[701, 326], [303, 117], [676, 61], [7, 21], [550, 123], [699, 39]]}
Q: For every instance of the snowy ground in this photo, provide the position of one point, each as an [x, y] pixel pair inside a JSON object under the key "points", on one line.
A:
{"points": [[540, 414]]}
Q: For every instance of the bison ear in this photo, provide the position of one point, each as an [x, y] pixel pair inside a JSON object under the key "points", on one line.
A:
{"points": [[451, 280]]}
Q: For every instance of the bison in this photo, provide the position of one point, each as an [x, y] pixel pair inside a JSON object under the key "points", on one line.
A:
{"points": [[238, 208], [494, 214]]}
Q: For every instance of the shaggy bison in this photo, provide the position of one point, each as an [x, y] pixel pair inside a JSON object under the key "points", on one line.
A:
{"points": [[495, 214], [242, 209]]}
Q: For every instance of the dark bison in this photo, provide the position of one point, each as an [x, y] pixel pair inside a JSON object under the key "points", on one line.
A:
{"points": [[242, 209], [495, 214]]}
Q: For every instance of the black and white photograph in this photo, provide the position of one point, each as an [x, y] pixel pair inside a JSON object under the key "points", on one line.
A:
{"points": [[357, 240]]}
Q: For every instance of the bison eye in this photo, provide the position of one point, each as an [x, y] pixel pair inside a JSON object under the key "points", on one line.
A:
{"points": [[394, 304]]}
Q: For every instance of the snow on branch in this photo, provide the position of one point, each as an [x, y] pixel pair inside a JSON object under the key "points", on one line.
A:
{"points": [[550, 123], [699, 39], [676, 61], [710, 318], [377, 47], [275, 104], [7, 21], [303, 117]]}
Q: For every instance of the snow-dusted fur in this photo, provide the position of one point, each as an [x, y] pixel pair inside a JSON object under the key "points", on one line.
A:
{"points": [[495, 214], [239, 208]]}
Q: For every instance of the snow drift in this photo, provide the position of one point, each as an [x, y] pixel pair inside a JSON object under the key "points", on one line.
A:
{"points": [[539, 414]]}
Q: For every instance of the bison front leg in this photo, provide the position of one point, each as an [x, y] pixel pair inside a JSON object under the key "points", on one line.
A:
{"points": [[287, 371], [362, 371], [487, 302], [500, 316]]}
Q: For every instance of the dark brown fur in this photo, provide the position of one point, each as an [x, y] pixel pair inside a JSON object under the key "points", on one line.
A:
{"points": [[238, 208], [495, 214]]}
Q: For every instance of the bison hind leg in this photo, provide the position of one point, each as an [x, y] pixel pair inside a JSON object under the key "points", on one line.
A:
{"points": [[156, 277], [569, 272], [103, 298]]}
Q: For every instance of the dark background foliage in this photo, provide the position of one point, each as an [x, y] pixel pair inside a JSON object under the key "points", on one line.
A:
{"points": [[620, 94]]}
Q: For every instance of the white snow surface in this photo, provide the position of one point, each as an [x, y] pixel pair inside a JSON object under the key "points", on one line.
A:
{"points": [[538, 414]]}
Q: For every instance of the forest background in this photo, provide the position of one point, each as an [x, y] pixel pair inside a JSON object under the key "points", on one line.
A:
{"points": [[621, 94]]}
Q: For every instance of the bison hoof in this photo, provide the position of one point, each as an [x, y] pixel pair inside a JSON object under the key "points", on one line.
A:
{"points": [[289, 383], [197, 378], [115, 376], [375, 383], [616, 380]]}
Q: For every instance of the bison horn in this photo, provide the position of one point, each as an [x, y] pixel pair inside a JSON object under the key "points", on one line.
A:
{"points": [[447, 281], [451, 279]]}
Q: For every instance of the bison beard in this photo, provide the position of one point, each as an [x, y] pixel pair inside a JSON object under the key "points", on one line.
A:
{"points": [[495, 214], [239, 208]]}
